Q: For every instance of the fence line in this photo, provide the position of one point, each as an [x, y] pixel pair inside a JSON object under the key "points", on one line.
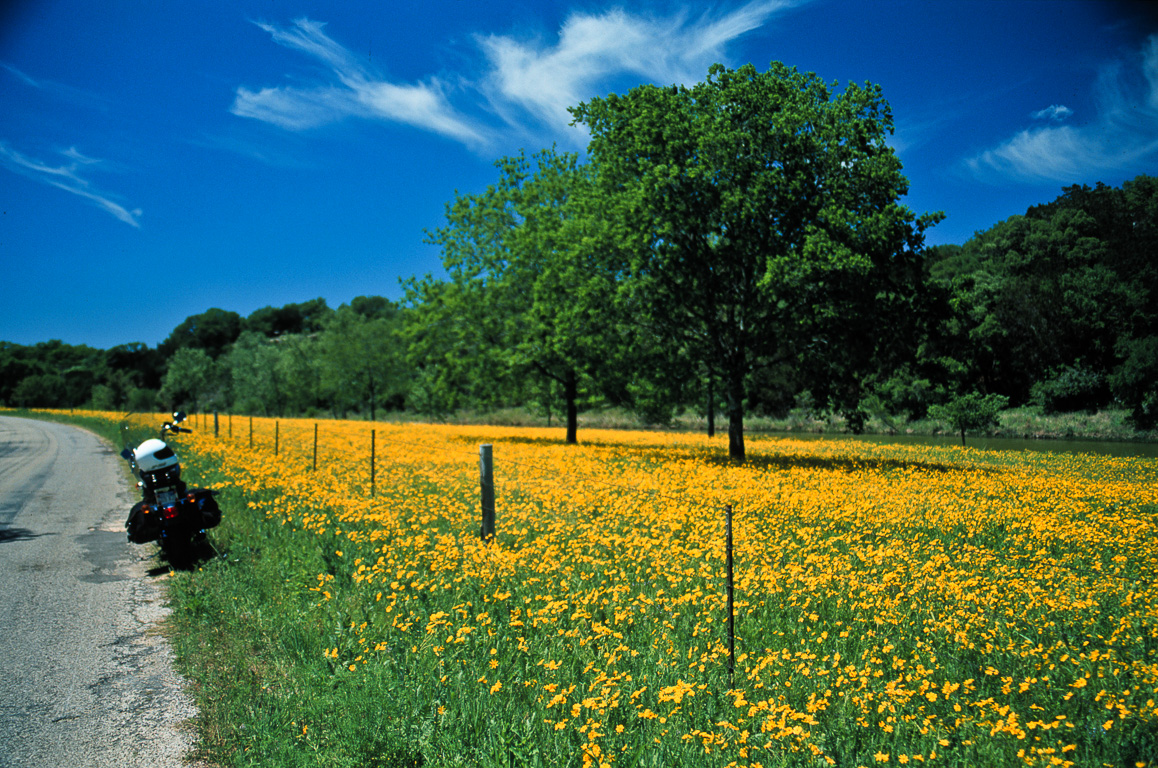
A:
{"points": [[532, 468], [488, 504]]}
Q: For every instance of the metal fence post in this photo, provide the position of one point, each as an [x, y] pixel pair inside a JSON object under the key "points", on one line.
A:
{"points": [[486, 466]]}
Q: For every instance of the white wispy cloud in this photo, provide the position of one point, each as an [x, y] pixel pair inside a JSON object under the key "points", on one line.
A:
{"points": [[546, 79], [1123, 133], [68, 177], [354, 91], [1053, 112], [19, 75], [529, 84]]}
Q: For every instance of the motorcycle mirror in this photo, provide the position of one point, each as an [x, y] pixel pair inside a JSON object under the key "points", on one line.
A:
{"points": [[127, 454], [178, 416]]}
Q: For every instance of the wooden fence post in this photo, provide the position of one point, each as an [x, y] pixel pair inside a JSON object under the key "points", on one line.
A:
{"points": [[216, 431], [486, 465], [250, 431], [373, 439], [276, 436], [315, 447]]}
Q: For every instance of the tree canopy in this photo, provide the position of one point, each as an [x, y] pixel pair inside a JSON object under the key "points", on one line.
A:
{"points": [[766, 211], [211, 331], [530, 262]]}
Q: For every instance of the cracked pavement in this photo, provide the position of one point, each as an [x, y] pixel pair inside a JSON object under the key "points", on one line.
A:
{"points": [[86, 677]]}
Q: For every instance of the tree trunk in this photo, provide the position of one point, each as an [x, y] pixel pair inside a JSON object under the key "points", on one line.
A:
{"points": [[571, 394], [736, 416], [711, 407]]}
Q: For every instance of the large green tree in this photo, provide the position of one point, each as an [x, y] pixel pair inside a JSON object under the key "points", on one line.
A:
{"points": [[453, 347], [765, 212], [299, 365], [194, 382], [361, 360], [532, 263], [256, 383]]}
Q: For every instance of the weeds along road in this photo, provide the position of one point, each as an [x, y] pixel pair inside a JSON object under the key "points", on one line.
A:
{"points": [[85, 677]]}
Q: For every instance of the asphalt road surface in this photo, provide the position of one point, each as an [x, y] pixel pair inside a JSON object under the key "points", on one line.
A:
{"points": [[86, 678]]}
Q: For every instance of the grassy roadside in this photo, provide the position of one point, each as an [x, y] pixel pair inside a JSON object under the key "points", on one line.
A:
{"points": [[247, 639]]}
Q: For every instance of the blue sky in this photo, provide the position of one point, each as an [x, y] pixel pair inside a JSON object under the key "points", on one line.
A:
{"points": [[158, 159]]}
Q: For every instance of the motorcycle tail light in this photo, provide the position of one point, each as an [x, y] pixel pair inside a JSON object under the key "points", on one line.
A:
{"points": [[169, 513]]}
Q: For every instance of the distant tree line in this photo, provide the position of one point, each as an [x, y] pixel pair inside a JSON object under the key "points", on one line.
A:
{"points": [[1058, 307], [735, 247]]}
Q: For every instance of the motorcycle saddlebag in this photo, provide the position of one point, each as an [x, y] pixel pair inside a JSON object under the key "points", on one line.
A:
{"points": [[144, 524], [206, 506]]}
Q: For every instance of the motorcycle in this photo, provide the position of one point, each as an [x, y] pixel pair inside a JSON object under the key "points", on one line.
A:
{"points": [[169, 512]]}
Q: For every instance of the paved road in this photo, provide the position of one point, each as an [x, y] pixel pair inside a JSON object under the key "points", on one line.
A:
{"points": [[85, 677]]}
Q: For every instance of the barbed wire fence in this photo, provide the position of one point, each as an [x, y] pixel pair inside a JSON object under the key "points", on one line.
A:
{"points": [[489, 498]]}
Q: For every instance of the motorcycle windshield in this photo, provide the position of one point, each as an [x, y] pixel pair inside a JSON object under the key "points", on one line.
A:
{"points": [[136, 428]]}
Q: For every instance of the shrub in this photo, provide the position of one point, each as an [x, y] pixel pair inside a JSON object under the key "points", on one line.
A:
{"points": [[1073, 388], [970, 412]]}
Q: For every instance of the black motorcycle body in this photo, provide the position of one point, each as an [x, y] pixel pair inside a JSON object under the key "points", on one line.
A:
{"points": [[169, 512]]}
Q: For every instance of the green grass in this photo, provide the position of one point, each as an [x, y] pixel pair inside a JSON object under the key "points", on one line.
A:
{"points": [[249, 637]]}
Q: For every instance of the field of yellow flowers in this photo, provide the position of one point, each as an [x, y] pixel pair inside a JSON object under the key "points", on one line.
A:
{"points": [[894, 604]]}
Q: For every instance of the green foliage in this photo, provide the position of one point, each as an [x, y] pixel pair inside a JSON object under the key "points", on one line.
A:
{"points": [[50, 374], [306, 317], [1046, 306], [141, 400], [1043, 298], [133, 365], [211, 331], [761, 215], [45, 390], [1135, 382], [255, 382], [1073, 388], [905, 392], [299, 366], [193, 382], [531, 295], [971, 411], [362, 360]]}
